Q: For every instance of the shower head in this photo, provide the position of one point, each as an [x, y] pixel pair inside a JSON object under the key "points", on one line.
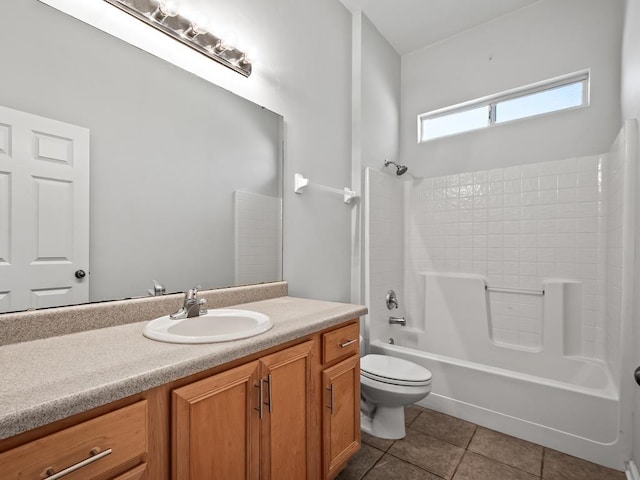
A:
{"points": [[400, 169]]}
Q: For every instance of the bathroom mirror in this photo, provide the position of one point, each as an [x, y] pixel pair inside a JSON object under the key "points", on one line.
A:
{"points": [[185, 177]]}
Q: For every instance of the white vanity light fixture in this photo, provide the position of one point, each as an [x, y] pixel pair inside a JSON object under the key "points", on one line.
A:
{"points": [[164, 15]]}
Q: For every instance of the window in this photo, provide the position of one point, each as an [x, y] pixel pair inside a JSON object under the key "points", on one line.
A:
{"points": [[569, 91]]}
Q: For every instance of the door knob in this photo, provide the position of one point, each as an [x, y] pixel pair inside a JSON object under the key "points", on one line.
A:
{"points": [[80, 274], [636, 375]]}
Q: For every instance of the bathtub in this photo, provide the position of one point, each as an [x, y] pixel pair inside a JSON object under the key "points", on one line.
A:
{"points": [[541, 390], [573, 412]]}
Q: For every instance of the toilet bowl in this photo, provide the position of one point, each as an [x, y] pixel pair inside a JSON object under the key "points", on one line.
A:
{"points": [[388, 384]]}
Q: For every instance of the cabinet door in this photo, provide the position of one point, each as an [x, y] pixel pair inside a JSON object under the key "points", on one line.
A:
{"points": [[216, 426], [285, 426], [341, 415]]}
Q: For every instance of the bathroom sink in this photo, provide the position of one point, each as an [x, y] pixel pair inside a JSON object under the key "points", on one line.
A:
{"points": [[217, 325]]}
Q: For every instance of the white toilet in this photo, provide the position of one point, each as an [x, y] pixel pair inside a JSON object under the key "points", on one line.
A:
{"points": [[388, 384]]}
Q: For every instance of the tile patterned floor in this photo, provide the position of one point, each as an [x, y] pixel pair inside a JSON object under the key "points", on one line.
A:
{"points": [[439, 446]]}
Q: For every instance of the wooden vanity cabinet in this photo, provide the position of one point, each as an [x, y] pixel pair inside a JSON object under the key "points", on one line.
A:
{"points": [[289, 413], [249, 422], [108, 447], [303, 423], [341, 389]]}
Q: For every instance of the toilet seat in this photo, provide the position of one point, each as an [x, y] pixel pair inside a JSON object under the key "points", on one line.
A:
{"points": [[395, 371]]}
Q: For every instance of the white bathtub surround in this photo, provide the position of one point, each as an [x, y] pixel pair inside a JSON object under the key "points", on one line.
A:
{"points": [[581, 420], [615, 172], [632, 471], [460, 323], [546, 368], [384, 245], [517, 226]]}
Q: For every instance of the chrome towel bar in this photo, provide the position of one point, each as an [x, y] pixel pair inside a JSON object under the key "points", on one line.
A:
{"points": [[521, 291]]}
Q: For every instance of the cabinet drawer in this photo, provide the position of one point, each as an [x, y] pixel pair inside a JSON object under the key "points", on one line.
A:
{"points": [[123, 432], [341, 343], [138, 473]]}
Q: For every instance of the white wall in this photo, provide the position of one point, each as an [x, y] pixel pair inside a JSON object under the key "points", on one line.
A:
{"points": [[631, 109], [545, 40], [377, 109], [303, 74], [631, 61], [380, 98]]}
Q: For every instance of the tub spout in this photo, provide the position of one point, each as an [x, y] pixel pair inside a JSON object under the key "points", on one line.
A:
{"points": [[398, 321]]}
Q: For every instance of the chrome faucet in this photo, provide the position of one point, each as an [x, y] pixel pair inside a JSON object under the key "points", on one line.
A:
{"points": [[158, 289], [192, 306], [398, 321]]}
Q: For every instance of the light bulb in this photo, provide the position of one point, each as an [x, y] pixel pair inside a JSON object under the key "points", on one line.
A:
{"points": [[197, 27], [165, 8], [168, 8], [248, 57], [227, 41]]}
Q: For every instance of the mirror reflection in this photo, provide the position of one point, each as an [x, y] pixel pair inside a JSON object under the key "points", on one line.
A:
{"points": [[184, 183]]}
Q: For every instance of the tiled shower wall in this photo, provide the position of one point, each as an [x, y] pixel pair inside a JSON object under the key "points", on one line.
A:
{"points": [[258, 238], [614, 192], [385, 247], [518, 226]]}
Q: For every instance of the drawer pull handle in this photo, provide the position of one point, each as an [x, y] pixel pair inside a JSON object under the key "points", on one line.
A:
{"points": [[348, 342], [95, 456]]}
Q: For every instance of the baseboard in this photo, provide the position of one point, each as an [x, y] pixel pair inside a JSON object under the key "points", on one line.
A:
{"points": [[632, 471]]}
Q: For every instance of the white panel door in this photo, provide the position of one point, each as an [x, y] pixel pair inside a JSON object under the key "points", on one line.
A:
{"points": [[44, 212]]}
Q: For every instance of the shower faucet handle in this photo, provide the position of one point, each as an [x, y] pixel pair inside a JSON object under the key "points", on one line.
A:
{"points": [[392, 300]]}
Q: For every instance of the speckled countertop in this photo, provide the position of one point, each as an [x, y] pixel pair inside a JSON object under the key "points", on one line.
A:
{"points": [[48, 379]]}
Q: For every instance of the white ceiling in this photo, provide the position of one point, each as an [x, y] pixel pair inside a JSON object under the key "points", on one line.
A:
{"points": [[412, 24]]}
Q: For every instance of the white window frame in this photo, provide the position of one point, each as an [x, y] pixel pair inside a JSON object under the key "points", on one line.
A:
{"points": [[491, 101]]}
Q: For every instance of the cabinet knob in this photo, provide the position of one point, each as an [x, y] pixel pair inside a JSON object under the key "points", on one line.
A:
{"points": [[80, 274]]}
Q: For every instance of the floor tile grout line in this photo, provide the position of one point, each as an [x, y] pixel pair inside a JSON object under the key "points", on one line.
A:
{"points": [[372, 466], [502, 463], [436, 438], [475, 430], [455, 470], [417, 466]]}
